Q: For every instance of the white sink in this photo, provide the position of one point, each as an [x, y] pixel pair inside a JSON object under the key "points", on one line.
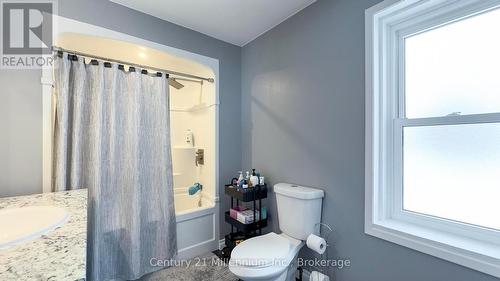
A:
{"points": [[26, 223]]}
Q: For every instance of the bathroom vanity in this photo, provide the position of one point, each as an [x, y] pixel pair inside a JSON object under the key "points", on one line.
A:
{"points": [[57, 255]]}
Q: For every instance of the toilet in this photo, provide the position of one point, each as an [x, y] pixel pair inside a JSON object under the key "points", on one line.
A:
{"points": [[273, 257]]}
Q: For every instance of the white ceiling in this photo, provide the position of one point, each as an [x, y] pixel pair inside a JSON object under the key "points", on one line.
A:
{"points": [[234, 21]]}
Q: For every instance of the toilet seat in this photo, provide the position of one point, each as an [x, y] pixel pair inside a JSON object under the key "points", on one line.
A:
{"points": [[266, 255], [261, 251]]}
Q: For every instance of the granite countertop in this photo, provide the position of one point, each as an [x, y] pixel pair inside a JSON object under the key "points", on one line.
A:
{"points": [[57, 256]]}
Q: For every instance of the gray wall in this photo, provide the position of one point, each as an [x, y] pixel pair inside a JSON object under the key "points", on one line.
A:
{"points": [[20, 132], [303, 122], [21, 115]]}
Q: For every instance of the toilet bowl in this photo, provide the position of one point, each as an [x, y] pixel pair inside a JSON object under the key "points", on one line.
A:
{"points": [[268, 258], [273, 257]]}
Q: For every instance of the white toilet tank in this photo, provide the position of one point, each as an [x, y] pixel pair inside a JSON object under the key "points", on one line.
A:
{"points": [[299, 209]]}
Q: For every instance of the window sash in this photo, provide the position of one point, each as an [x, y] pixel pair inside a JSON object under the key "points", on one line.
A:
{"points": [[423, 23], [442, 224]]}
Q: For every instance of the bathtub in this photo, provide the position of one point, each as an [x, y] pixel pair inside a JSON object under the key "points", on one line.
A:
{"points": [[197, 227]]}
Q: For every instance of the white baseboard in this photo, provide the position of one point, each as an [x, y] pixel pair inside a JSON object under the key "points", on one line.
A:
{"points": [[222, 244], [197, 250]]}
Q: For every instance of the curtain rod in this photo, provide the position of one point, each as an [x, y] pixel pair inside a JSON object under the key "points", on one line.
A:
{"points": [[57, 49]]}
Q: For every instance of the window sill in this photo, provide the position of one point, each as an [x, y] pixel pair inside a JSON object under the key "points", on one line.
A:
{"points": [[478, 255]]}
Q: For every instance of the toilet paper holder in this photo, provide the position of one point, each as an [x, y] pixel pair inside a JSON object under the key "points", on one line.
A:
{"points": [[325, 236], [328, 227]]}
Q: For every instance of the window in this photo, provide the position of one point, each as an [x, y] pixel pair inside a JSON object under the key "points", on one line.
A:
{"points": [[433, 128]]}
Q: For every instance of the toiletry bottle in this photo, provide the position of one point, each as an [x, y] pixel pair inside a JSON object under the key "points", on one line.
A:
{"points": [[247, 179], [254, 179], [234, 182], [240, 178], [245, 184]]}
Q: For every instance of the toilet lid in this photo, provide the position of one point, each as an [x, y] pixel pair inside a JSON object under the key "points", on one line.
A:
{"points": [[262, 251]]}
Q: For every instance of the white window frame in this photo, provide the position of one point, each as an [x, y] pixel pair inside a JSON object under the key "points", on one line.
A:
{"points": [[387, 25]]}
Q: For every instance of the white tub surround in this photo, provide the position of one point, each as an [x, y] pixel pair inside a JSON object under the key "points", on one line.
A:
{"points": [[57, 255]]}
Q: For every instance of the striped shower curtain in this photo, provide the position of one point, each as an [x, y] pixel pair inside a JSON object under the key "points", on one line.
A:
{"points": [[112, 136]]}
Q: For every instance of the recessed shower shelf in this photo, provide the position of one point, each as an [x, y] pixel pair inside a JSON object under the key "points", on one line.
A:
{"points": [[183, 147]]}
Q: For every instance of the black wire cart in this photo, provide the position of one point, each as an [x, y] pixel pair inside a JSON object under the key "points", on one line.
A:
{"points": [[239, 230]]}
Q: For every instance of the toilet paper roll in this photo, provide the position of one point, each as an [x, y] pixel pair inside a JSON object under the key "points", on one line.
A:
{"points": [[316, 244], [318, 276]]}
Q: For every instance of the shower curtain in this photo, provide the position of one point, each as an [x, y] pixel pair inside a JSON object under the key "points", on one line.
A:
{"points": [[112, 137]]}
